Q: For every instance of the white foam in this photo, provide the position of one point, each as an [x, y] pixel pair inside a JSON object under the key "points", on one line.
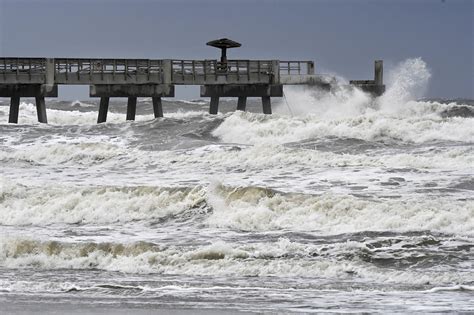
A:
{"points": [[416, 126], [458, 287], [23, 205], [28, 116], [351, 113], [251, 209], [283, 258], [80, 150], [331, 213]]}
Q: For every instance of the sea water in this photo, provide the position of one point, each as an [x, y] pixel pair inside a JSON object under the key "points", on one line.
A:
{"points": [[337, 202]]}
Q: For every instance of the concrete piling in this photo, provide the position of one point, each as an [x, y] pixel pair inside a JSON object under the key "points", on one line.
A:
{"points": [[267, 105], [157, 107], [242, 103], [41, 109], [131, 108], [103, 109], [214, 105], [14, 109], [378, 75]]}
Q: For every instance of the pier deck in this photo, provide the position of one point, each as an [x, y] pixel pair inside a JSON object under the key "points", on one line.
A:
{"points": [[150, 71], [156, 78]]}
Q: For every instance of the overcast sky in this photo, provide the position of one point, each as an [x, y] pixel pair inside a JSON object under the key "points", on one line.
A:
{"points": [[343, 37]]}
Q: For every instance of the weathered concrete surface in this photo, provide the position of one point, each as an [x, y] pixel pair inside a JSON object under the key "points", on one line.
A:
{"points": [[241, 90], [131, 90], [28, 90]]}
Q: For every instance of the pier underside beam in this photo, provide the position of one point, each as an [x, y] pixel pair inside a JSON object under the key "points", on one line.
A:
{"points": [[242, 91], [28, 90], [131, 90]]}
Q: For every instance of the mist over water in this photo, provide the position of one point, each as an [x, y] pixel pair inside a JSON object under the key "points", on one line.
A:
{"points": [[337, 202]]}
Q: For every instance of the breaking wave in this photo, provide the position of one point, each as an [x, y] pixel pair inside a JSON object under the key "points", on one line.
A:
{"points": [[248, 209], [351, 113], [342, 261]]}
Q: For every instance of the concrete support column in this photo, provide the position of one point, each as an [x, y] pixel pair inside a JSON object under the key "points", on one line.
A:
{"points": [[267, 105], [103, 109], [131, 108], [41, 109], [14, 109], [378, 75], [242, 103], [157, 107], [214, 105]]}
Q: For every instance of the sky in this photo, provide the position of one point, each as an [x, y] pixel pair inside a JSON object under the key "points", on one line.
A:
{"points": [[343, 37]]}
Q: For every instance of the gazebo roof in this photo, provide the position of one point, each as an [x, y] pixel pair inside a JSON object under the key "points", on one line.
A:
{"points": [[223, 43]]}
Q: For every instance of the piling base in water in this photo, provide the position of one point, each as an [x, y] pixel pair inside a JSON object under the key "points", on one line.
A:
{"points": [[242, 92]]}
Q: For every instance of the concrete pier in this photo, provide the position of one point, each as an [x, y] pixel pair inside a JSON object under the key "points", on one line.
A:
{"points": [[38, 91], [375, 86], [156, 78], [132, 92]]}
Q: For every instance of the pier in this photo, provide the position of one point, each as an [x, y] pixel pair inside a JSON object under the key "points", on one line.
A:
{"points": [[157, 78]]}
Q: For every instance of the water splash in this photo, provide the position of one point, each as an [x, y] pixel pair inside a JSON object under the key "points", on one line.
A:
{"points": [[408, 81]]}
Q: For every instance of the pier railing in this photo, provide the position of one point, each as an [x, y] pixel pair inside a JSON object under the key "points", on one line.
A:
{"points": [[296, 67], [22, 70], [85, 71], [147, 71], [213, 71]]}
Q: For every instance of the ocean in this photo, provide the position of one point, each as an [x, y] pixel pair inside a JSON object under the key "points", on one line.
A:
{"points": [[338, 202]]}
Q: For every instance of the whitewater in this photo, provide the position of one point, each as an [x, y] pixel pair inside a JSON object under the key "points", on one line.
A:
{"points": [[338, 202]]}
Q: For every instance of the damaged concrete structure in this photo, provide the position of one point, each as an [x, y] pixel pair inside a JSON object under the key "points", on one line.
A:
{"points": [[157, 78]]}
